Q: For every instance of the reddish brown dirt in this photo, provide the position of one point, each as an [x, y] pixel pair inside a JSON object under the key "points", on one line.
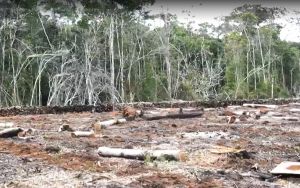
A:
{"points": [[68, 161]]}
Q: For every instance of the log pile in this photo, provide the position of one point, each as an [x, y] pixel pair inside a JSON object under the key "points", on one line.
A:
{"points": [[12, 111]]}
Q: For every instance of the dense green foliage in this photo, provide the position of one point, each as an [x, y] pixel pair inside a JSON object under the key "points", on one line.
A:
{"points": [[86, 54]]}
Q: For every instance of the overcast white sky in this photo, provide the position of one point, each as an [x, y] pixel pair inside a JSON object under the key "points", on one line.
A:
{"points": [[207, 11]]}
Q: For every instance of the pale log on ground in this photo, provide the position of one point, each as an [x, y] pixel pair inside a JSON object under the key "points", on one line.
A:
{"points": [[4, 125], [150, 117], [295, 110], [104, 124], [294, 104], [10, 132], [279, 119], [83, 134], [139, 153], [261, 106]]}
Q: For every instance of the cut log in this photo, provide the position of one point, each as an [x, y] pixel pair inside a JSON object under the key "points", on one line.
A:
{"points": [[263, 110], [261, 106], [27, 133], [131, 113], [10, 132], [294, 104], [140, 154], [295, 110], [6, 125], [122, 120], [83, 134], [173, 116], [275, 119], [104, 124]]}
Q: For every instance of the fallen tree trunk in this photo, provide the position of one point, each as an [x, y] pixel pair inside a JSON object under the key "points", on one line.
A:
{"points": [[261, 106], [279, 119], [294, 104], [83, 134], [151, 117], [10, 132], [6, 125], [103, 124], [295, 110], [140, 154]]}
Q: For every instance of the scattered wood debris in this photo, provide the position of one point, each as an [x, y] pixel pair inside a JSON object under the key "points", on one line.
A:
{"points": [[52, 149], [209, 135], [228, 113], [65, 128], [240, 154], [27, 134], [225, 150], [140, 153], [258, 175], [231, 119]]}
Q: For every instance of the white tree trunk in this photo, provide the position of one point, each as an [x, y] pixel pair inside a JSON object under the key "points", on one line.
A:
{"points": [[112, 62]]}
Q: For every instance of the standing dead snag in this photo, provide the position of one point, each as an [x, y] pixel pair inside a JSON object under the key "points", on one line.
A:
{"points": [[140, 154]]}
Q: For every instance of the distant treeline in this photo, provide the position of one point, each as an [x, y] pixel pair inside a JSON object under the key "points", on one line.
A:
{"points": [[85, 52]]}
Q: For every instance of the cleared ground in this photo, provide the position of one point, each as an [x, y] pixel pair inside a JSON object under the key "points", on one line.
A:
{"points": [[218, 153]]}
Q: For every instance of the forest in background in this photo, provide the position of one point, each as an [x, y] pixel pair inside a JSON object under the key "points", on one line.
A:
{"points": [[88, 52]]}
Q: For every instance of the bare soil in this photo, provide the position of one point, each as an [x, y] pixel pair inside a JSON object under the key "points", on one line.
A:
{"points": [[257, 145]]}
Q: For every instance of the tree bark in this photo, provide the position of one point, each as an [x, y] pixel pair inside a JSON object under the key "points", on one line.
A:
{"points": [[151, 117], [83, 134], [10, 132], [112, 63], [260, 106], [139, 153]]}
